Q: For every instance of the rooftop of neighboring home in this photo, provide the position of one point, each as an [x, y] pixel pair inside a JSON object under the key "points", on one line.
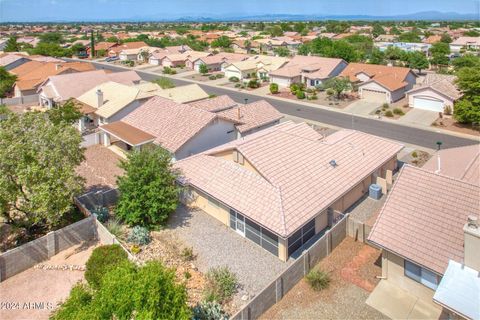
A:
{"points": [[33, 73], [115, 96], [192, 55], [129, 45], [242, 43], [386, 38], [267, 62], [222, 57], [8, 58], [391, 77], [62, 88], [461, 163], [183, 94], [315, 67], [290, 178], [443, 84], [423, 217], [161, 53], [463, 41], [287, 40], [432, 39], [215, 104], [252, 115]]}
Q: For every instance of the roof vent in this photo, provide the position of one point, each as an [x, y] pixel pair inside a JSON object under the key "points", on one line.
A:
{"points": [[333, 163], [472, 222]]}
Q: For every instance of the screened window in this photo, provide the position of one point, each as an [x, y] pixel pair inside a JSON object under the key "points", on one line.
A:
{"points": [[422, 275], [301, 236]]}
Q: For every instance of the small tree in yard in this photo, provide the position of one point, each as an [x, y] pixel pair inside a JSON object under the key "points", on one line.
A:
{"points": [[203, 69], [273, 88], [467, 109], [148, 193], [338, 85], [418, 60]]}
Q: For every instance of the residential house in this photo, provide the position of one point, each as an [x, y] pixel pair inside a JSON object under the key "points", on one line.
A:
{"points": [[421, 229], [107, 47], [386, 38], [136, 54], [380, 83], [432, 39], [12, 60], [183, 94], [260, 66], [157, 56], [465, 44], [33, 41], [435, 93], [405, 46], [309, 70], [57, 89], [115, 51], [216, 62], [289, 42], [32, 74], [281, 186], [183, 59], [244, 46]]}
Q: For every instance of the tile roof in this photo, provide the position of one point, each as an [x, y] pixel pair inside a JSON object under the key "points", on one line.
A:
{"points": [[462, 41], [423, 217], [252, 115], [443, 84], [6, 59], [460, 163], [215, 104], [183, 94], [127, 133], [391, 77], [295, 181], [222, 57], [129, 45], [321, 67], [172, 124]]}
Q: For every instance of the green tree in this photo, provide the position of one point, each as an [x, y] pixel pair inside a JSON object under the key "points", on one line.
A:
{"points": [[203, 68], [148, 193], [276, 31], [466, 61], [77, 48], [446, 38], [377, 57], [164, 83], [418, 60], [50, 49], [129, 292], [52, 37], [299, 27], [471, 33], [440, 52], [37, 170], [102, 259], [467, 109], [67, 113], [393, 53], [221, 42], [12, 45], [282, 51], [411, 36], [7, 81], [377, 30], [466, 112], [338, 85]]}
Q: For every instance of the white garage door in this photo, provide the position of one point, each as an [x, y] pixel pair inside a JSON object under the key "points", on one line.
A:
{"points": [[373, 95], [428, 104]]}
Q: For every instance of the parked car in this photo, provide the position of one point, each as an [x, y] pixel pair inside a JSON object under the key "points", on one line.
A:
{"points": [[111, 59]]}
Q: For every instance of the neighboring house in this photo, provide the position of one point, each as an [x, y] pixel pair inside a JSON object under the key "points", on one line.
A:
{"points": [[32, 74], [288, 42], [136, 54], [435, 93], [405, 46], [107, 46], [281, 186], [12, 60], [380, 83], [59, 88], [433, 39], [216, 62], [33, 41], [157, 56], [259, 65], [115, 51], [386, 38], [183, 94], [181, 129], [421, 229], [182, 59], [241, 46], [109, 102], [465, 43], [309, 70]]}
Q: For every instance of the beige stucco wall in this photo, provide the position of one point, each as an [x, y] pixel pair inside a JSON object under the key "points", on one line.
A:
{"points": [[393, 270], [282, 249], [321, 221], [199, 200], [228, 155]]}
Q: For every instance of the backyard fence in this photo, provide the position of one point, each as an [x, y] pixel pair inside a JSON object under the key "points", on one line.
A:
{"points": [[358, 230], [275, 291], [92, 199], [26, 256], [30, 99]]}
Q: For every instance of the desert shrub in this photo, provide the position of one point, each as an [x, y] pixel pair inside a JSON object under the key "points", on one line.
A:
{"points": [[212, 77], [209, 310], [273, 88], [187, 254], [294, 87], [187, 275], [447, 110], [385, 106], [233, 79], [318, 279], [389, 113], [114, 227], [330, 92], [300, 94], [219, 75], [135, 249], [237, 85], [139, 235], [414, 154], [129, 63], [253, 84], [101, 213], [221, 284], [101, 260], [164, 83], [75, 307], [398, 111]]}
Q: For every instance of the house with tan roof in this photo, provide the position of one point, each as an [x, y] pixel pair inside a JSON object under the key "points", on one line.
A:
{"points": [[309, 70], [157, 56], [115, 51], [435, 93], [32, 74], [183, 94], [465, 43], [428, 221], [259, 65], [281, 186], [183, 59], [58, 89], [244, 47], [380, 83], [215, 62]]}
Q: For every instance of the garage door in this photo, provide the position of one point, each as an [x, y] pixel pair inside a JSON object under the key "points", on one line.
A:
{"points": [[428, 104], [373, 95]]}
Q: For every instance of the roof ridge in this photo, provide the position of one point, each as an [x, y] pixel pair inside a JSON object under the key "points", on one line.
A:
{"points": [[470, 164], [282, 211], [440, 175]]}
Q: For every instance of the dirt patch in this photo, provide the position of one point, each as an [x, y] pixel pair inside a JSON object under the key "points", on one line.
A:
{"points": [[353, 267], [416, 158], [448, 123]]}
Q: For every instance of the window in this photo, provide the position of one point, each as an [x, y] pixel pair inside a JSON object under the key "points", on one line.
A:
{"points": [[301, 236], [422, 275]]}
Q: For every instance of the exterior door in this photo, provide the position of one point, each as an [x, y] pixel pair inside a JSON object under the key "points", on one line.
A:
{"points": [[240, 224]]}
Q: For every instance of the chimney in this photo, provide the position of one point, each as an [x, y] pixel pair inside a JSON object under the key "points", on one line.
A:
{"points": [[99, 98], [58, 66], [471, 245]]}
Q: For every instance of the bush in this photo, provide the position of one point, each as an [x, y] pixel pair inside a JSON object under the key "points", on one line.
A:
{"points": [[168, 70], [209, 310], [221, 284], [101, 260], [414, 154], [237, 85], [318, 279], [253, 84], [330, 92], [398, 111], [135, 249], [129, 63], [385, 106], [273, 88], [314, 97], [294, 88], [139, 235], [300, 94], [219, 75], [114, 227], [212, 77], [233, 79], [75, 306], [187, 254], [389, 113], [101, 213], [164, 83]]}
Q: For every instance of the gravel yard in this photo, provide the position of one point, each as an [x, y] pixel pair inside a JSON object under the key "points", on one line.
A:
{"points": [[352, 267]]}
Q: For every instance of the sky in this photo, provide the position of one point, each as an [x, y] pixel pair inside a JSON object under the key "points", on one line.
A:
{"points": [[93, 10]]}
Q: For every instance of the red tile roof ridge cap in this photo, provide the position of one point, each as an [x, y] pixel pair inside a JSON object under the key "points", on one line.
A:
{"points": [[282, 211], [470, 164]]}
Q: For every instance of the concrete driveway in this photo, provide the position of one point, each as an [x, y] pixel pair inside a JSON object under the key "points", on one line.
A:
{"points": [[419, 117], [362, 107]]}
